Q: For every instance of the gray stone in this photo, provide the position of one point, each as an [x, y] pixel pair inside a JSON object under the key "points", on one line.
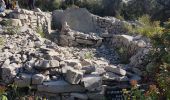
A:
{"points": [[86, 42], [88, 69], [74, 76], [16, 22], [8, 71], [20, 16], [79, 96], [38, 44], [85, 62], [83, 22], [42, 64], [75, 63], [96, 96], [23, 80], [38, 79], [115, 69], [112, 76], [92, 82], [54, 63], [2, 14], [59, 87]]}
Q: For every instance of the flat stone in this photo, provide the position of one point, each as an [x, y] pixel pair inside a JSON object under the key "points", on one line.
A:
{"points": [[38, 79], [114, 77], [79, 96], [20, 16], [74, 76], [92, 82], [43, 64], [73, 63], [96, 96], [88, 69], [115, 69], [86, 42], [23, 80], [59, 87], [16, 22], [85, 62]]}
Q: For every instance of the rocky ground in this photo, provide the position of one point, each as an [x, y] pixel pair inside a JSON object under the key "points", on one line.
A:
{"points": [[54, 71]]}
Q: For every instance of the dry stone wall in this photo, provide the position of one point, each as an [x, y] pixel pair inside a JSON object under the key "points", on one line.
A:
{"points": [[81, 21], [33, 19]]}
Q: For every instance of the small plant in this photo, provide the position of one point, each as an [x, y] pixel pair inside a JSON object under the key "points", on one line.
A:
{"points": [[3, 93], [9, 28], [40, 31], [12, 30], [136, 93], [1, 41], [6, 22], [88, 55]]}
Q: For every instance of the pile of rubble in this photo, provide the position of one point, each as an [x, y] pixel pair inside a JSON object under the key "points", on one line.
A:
{"points": [[27, 59]]}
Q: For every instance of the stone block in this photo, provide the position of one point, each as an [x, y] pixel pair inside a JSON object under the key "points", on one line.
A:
{"points": [[59, 87], [74, 76]]}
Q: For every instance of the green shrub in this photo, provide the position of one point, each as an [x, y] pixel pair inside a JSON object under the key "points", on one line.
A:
{"points": [[1, 41], [8, 28], [6, 22], [40, 31], [148, 28], [88, 55], [159, 70]]}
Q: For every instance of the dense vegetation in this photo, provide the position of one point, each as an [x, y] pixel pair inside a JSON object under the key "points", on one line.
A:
{"points": [[132, 10]]}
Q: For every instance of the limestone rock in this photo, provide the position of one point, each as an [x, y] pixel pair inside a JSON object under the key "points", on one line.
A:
{"points": [[112, 76], [23, 80], [116, 70], [16, 22], [38, 79], [59, 87], [74, 76], [54, 63], [8, 71], [92, 82], [88, 69]]}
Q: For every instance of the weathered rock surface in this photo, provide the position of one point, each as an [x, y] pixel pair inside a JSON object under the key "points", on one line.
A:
{"points": [[59, 87], [82, 69]]}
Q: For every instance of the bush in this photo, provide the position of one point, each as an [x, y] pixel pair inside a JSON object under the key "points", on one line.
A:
{"points": [[94, 6], [148, 28], [160, 59], [49, 5], [40, 31]]}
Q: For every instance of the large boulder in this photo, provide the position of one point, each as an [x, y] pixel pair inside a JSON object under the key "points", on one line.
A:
{"points": [[78, 19]]}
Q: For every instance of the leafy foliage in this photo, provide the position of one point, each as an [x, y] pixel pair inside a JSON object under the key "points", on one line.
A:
{"points": [[160, 56], [40, 32]]}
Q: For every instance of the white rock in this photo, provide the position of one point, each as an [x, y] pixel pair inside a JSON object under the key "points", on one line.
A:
{"points": [[115, 69], [112, 76]]}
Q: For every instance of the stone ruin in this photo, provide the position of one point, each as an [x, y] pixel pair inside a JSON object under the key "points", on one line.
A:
{"points": [[83, 27], [66, 70]]}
